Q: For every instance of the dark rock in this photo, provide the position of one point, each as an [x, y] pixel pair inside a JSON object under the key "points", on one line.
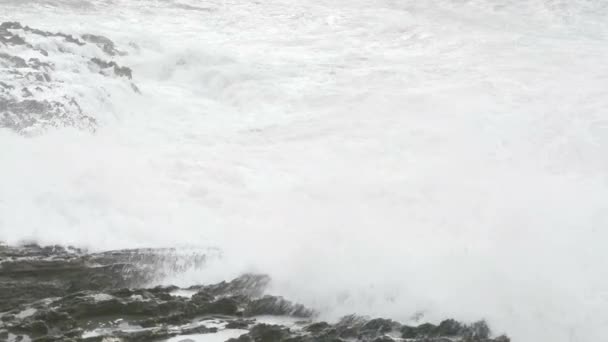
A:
{"points": [[271, 305], [11, 25], [6, 86], [316, 328], [145, 335], [68, 38], [268, 333], [349, 326], [118, 70], [242, 338], [502, 338], [239, 324], [426, 330], [408, 332], [104, 43], [36, 327], [477, 331], [12, 40], [33, 94], [173, 319], [449, 327], [9, 61], [202, 297], [199, 330], [223, 306], [92, 294], [379, 326], [35, 63], [250, 285]]}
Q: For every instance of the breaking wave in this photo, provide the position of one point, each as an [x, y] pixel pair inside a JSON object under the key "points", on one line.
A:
{"points": [[391, 158]]}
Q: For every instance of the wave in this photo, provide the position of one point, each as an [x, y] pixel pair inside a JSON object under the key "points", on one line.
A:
{"points": [[443, 158]]}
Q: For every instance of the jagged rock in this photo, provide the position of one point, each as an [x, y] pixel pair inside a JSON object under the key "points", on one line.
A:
{"points": [[157, 313], [223, 306], [317, 327], [250, 285], [115, 68], [35, 327], [202, 297], [478, 331], [268, 333], [20, 115], [502, 338], [104, 43], [8, 61], [242, 338], [449, 327], [271, 305], [35, 95], [239, 324], [379, 326], [30, 273], [349, 326]]}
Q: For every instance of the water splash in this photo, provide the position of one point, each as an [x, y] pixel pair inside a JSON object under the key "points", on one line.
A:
{"points": [[383, 157]]}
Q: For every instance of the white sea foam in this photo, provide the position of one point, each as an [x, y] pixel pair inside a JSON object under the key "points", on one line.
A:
{"points": [[219, 336], [379, 157]]}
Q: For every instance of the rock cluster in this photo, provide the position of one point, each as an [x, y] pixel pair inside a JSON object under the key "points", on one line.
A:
{"points": [[37, 72], [65, 294]]}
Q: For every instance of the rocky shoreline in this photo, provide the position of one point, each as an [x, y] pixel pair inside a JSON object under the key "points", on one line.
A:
{"points": [[46, 78], [55, 293], [59, 293]]}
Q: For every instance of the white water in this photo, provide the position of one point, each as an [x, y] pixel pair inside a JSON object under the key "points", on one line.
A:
{"points": [[379, 157]]}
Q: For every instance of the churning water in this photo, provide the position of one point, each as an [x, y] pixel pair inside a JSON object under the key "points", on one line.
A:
{"points": [[383, 157]]}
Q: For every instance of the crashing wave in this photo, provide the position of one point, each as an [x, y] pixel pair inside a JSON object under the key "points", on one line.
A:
{"points": [[41, 71]]}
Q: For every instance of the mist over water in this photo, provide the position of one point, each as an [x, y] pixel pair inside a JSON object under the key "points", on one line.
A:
{"points": [[379, 157]]}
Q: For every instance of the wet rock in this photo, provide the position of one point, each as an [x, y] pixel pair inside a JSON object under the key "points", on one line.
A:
{"points": [[317, 327], [37, 64], [408, 332], [477, 331], [202, 297], [36, 327], [199, 330], [349, 326], [29, 273], [268, 333], [223, 306], [242, 338], [67, 38], [502, 338], [379, 326], [35, 95], [264, 333], [102, 42], [250, 285], [172, 319], [426, 330], [115, 68], [449, 327], [145, 335], [239, 324], [10, 25], [8, 61], [271, 305], [118, 312]]}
